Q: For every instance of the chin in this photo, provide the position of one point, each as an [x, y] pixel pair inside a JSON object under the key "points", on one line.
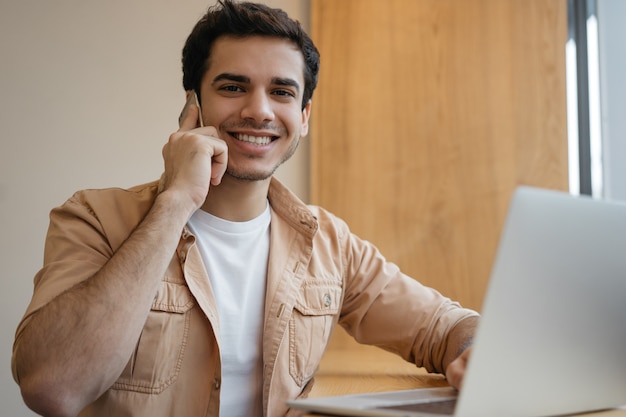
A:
{"points": [[250, 175]]}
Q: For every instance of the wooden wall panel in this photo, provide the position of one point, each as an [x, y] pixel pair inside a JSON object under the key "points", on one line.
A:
{"points": [[428, 114]]}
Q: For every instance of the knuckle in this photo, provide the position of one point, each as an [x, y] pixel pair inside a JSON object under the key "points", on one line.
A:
{"points": [[173, 137]]}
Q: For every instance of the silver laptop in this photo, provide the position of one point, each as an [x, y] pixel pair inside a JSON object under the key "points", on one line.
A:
{"points": [[552, 338]]}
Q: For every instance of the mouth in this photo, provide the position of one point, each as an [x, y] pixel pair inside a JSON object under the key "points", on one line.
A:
{"points": [[255, 140]]}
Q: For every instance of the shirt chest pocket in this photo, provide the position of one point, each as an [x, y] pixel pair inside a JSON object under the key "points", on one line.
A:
{"points": [[315, 314], [156, 361]]}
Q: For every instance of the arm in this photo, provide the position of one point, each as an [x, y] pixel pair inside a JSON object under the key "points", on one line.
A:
{"points": [[96, 324], [386, 308]]}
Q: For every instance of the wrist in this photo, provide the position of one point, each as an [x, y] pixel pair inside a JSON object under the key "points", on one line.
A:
{"points": [[176, 204], [460, 338]]}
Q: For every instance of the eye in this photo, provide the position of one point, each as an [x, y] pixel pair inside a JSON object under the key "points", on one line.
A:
{"points": [[231, 88], [284, 93]]}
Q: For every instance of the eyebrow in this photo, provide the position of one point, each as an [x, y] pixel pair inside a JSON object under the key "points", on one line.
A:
{"points": [[231, 77], [286, 82]]}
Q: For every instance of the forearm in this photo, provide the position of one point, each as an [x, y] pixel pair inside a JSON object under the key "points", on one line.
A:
{"points": [[95, 325]]}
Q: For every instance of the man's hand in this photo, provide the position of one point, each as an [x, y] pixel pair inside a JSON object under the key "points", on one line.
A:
{"points": [[456, 369], [195, 157]]}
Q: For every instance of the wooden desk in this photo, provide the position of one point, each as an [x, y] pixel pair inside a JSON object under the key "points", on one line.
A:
{"points": [[366, 369]]}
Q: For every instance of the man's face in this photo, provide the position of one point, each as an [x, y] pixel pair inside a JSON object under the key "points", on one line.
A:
{"points": [[252, 94]]}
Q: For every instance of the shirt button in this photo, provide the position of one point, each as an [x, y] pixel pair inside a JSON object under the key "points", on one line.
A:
{"points": [[327, 300], [217, 383], [183, 256]]}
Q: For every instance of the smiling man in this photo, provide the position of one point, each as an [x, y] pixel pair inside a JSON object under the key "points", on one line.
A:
{"points": [[214, 291], [253, 98]]}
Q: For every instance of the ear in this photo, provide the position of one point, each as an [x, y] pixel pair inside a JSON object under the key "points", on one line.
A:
{"points": [[306, 113]]}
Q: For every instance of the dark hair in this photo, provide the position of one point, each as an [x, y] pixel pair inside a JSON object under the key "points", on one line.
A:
{"points": [[228, 18]]}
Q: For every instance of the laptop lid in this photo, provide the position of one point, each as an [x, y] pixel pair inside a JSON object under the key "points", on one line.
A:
{"points": [[552, 338]]}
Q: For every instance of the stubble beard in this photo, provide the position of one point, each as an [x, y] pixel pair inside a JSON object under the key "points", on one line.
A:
{"points": [[263, 175]]}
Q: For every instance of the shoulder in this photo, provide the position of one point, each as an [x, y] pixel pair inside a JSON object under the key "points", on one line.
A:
{"points": [[115, 195], [115, 199], [113, 211]]}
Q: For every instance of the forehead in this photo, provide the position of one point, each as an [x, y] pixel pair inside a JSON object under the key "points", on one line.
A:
{"points": [[256, 57]]}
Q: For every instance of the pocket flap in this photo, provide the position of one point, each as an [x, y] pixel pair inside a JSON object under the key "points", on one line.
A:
{"points": [[319, 299], [174, 298]]}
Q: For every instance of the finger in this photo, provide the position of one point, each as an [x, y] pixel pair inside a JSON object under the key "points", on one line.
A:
{"points": [[219, 162], [454, 374], [189, 116]]}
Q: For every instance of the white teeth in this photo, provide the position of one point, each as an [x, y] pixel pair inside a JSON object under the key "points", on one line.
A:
{"points": [[259, 140]]}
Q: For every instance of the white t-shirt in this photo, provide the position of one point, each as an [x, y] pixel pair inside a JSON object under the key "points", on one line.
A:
{"points": [[236, 255]]}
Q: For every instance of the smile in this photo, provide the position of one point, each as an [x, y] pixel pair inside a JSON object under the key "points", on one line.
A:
{"points": [[257, 140]]}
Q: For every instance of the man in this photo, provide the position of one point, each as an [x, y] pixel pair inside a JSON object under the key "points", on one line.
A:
{"points": [[176, 298]]}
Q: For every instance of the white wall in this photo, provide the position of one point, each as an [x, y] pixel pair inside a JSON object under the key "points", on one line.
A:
{"points": [[89, 93], [611, 35]]}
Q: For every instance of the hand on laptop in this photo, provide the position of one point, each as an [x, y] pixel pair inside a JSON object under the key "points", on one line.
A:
{"points": [[456, 369]]}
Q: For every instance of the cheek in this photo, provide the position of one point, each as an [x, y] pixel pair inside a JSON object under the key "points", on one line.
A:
{"points": [[298, 123], [217, 115]]}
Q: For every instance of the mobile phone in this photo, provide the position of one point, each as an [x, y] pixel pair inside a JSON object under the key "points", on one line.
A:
{"points": [[200, 121]]}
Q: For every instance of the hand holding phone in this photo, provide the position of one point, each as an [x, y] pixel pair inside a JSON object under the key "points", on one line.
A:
{"points": [[195, 157]]}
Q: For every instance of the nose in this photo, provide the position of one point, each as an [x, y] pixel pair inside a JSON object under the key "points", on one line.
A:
{"points": [[258, 107]]}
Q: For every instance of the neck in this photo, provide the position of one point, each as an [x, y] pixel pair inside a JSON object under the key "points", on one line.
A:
{"points": [[237, 200]]}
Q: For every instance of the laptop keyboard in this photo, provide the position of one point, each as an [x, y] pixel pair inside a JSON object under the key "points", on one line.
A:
{"points": [[443, 407]]}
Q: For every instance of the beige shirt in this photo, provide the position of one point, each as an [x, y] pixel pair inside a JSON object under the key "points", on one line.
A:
{"points": [[319, 274]]}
